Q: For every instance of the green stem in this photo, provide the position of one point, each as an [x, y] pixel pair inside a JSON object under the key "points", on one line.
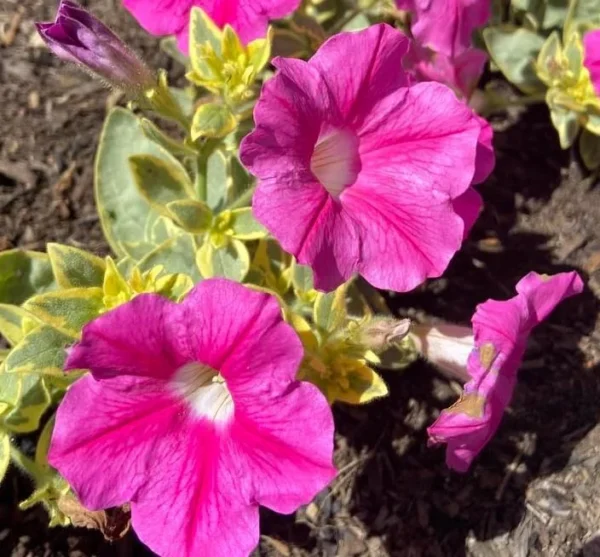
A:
{"points": [[25, 464], [200, 183], [243, 200]]}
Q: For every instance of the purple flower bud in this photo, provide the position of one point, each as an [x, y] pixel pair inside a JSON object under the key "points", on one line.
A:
{"points": [[77, 36]]}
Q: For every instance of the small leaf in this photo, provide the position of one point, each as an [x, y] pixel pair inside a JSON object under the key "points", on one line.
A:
{"points": [[302, 277], [193, 216], [42, 351], [177, 255], [259, 51], [23, 274], [514, 49], [330, 309], [4, 454], [213, 120], [231, 260], [365, 385], [10, 389], [203, 30], [67, 310], [159, 181], [170, 46], [566, 124], [35, 400], [173, 146], [217, 180], [245, 226], [589, 147], [547, 59], [12, 326], [74, 268]]}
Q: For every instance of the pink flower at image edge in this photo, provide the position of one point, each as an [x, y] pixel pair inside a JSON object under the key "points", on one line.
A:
{"points": [[361, 172], [591, 46], [192, 413], [249, 18], [501, 329]]}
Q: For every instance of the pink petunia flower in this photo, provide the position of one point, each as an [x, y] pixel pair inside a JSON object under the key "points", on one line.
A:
{"points": [[460, 73], [446, 26], [193, 414], [488, 357], [591, 46], [358, 171], [249, 18]]}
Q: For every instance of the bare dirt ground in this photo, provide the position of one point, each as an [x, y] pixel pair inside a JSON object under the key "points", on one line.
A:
{"points": [[534, 491]]}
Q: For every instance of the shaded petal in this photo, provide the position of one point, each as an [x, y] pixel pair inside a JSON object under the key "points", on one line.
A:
{"points": [[374, 72], [161, 17], [591, 45], [468, 207], [485, 158]]}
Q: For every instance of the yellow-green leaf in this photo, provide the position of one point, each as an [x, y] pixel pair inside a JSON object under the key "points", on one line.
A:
{"points": [[75, 268], [10, 388], [202, 30], [193, 216], [213, 120], [365, 385], [159, 181], [41, 351], [217, 180], [330, 309], [23, 274], [34, 401], [566, 124], [230, 260], [549, 58], [259, 51], [245, 226], [67, 310], [173, 146], [176, 255], [12, 323], [4, 454], [589, 147], [302, 277]]}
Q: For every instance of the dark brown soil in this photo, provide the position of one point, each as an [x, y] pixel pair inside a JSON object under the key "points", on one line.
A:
{"points": [[533, 492]]}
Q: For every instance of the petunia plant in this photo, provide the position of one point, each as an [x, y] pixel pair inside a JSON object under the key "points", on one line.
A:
{"points": [[252, 213]]}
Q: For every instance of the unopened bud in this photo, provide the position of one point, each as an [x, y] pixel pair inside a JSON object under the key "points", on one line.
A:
{"points": [[381, 333], [77, 36]]}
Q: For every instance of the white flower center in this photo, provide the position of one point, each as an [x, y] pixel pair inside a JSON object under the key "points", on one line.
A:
{"points": [[204, 390], [335, 161]]}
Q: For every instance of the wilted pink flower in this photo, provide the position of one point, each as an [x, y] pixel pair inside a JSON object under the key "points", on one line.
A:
{"points": [[77, 36], [193, 414], [461, 73], [357, 171], [249, 18], [501, 329], [591, 46], [446, 26]]}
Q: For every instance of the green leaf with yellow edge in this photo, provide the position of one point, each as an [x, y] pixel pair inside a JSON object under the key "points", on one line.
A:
{"points": [[42, 351], [217, 180], [566, 124], [245, 226], [175, 147], [75, 268], [67, 310], [514, 50], [160, 181], [34, 401], [213, 120], [177, 255], [302, 277], [4, 454], [364, 385], [589, 148], [23, 274], [548, 58], [231, 46], [13, 323], [582, 15], [124, 214], [230, 260], [330, 309], [193, 216], [259, 51], [10, 388], [202, 30]]}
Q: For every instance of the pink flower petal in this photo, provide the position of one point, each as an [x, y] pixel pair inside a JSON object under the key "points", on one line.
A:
{"points": [[468, 207], [591, 47], [501, 330], [391, 160], [154, 437]]}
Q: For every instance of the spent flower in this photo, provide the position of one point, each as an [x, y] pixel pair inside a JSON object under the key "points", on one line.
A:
{"points": [[488, 359], [194, 416]]}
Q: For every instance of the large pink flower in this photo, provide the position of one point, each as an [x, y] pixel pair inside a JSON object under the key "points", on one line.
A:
{"points": [[193, 414], [497, 345], [358, 172], [591, 45], [171, 17], [446, 26]]}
